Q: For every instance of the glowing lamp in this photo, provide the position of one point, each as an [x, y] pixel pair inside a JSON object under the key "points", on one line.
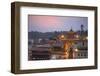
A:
{"points": [[62, 36], [76, 50], [77, 36]]}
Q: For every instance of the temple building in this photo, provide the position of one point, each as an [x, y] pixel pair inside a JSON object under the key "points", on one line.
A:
{"points": [[75, 44]]}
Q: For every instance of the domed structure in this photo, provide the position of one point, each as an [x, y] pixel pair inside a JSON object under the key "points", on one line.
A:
{"points": [[71, 34]]}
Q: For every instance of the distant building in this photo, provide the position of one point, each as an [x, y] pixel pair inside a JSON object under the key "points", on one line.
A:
{"points": [[58, 50], [40, 52]]}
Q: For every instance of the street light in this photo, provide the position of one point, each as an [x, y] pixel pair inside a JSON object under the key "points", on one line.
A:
{"points": [[62, 36], [76, 50], [77, 36]]}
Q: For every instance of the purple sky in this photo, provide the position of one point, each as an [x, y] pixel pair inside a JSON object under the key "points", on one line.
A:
{"points": [[55, 23]]}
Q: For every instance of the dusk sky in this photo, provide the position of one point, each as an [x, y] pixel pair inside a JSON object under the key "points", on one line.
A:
{"points": [[55, 23]]}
